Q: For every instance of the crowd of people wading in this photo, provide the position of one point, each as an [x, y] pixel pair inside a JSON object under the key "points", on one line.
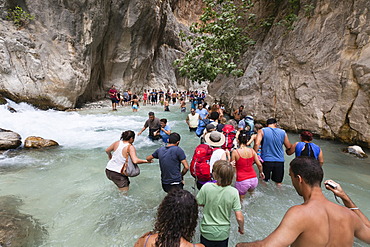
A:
{"points": [[223, 169]]}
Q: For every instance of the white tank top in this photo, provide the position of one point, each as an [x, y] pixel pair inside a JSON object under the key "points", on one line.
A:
{"points": [[116, 162], [193, 120]]}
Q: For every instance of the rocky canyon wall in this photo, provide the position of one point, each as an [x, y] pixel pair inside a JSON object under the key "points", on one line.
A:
{"points": [[315, 76], [74, 50]]}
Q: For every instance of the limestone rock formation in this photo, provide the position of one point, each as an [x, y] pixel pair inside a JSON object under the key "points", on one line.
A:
{"points": [[315, 76], [74, 50], [9, 139], [16, 228], [38, 142]]}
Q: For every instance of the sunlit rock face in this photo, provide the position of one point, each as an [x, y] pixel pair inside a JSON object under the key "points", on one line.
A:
{"points": [[38, 142], [74, 50], [315, 77]]}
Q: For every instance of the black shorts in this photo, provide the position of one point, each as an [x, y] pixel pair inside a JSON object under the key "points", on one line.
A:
{"points": [[209, 243], [169, 187], [193, 129], [114, 100], [273, 170], [120, 180]]}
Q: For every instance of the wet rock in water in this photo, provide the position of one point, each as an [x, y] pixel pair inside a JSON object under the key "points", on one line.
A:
{"points": [[16, 228], [11, 109], [356, 150], [9, 139], [39, 142]]}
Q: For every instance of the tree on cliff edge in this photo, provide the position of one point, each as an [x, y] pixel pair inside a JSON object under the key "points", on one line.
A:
{"points": [[223, 33], [218, 40]]}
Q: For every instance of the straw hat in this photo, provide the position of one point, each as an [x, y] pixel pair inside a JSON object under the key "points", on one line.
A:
{"points": [[215, 139]]}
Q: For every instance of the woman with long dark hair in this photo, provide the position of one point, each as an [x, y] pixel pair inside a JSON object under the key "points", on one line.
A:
{"points": [[175, 224], [121, 149]]}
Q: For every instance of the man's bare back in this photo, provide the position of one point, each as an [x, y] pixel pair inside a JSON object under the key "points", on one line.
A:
{"points": [[323, 223], [317, 222]]}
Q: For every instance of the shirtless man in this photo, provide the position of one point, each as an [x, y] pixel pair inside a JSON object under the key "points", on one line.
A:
{"points": [[237, 113], [318, 221]]}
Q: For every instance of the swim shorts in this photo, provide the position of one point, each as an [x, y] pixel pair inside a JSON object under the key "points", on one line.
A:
{"points": [[206, 242], [135, 107], [245, 185], [169, 187], [114, 100], [273, 170], [120, 180], [192, 129]]}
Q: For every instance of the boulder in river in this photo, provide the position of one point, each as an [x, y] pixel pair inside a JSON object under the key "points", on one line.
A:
{"points": [[38, 142], [11, 109], [356, 150], [9, 139], [16, 228]]}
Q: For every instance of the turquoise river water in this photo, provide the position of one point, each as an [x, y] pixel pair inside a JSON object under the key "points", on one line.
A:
{"points": [[66, 190]]}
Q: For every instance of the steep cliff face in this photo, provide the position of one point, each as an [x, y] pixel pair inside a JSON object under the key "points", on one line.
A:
{"points": [[316, 76], [75, 50], [49, 62]]}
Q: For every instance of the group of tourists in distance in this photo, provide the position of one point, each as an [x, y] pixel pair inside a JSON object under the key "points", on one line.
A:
{"points": [[224, 152], [154, 97]]}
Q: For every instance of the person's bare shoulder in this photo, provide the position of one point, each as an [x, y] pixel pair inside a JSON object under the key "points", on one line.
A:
{"points": [[140, 242]]}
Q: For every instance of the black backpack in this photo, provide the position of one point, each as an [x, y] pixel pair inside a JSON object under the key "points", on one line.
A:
{"points": [[307, 151]]}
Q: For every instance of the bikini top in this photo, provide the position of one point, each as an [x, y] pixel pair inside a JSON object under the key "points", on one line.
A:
{"points": [[147, 238]]}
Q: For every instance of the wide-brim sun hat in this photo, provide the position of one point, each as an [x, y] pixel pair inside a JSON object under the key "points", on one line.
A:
{"points": [[215, 139]]}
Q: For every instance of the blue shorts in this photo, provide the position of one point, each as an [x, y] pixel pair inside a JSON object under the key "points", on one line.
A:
{"points": [[135, 107]]}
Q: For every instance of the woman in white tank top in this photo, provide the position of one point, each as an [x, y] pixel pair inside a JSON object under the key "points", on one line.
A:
{"points": [[121, 149]]}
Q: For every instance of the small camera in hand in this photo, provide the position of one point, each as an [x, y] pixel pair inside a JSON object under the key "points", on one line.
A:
{"points": [[331, 185]]}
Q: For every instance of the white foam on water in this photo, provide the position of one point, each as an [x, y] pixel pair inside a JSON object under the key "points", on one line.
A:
{"points": [[71, 129], [66, 189]]}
